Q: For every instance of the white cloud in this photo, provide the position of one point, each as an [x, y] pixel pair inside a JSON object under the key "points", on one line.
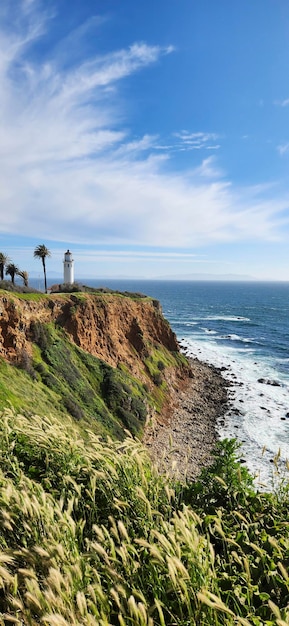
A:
{"points": [[93, 256], [70, 170], [283, 148]]}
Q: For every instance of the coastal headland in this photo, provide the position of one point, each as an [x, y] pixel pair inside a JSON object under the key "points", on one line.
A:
{"points": [[112, 363]]}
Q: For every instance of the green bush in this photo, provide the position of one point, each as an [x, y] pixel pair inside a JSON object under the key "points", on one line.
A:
{"points": [[157, 379], [40, 334], [224, 480], [73, 407]]}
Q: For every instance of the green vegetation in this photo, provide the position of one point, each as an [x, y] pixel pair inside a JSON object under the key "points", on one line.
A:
{"points": [[60, 378], [79, 288], [91, 534], [156, 363], [24, 293], [108, 400], [19, 390]]}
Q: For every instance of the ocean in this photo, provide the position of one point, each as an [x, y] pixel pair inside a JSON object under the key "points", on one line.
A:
{"points": [[244, 329]]}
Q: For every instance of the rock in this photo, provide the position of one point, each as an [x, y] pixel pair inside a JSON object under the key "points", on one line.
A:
{"points": [[184, 446], [268, 381]]}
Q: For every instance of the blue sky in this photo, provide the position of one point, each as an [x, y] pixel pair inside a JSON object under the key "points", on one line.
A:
{"points": [[151, 138]]}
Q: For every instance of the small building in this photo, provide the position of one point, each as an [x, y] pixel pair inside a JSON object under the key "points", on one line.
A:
{"points": [[68, 268]]}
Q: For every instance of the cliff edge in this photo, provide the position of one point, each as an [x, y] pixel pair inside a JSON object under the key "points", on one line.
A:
{"points": [[117, 329], [83, 345]]}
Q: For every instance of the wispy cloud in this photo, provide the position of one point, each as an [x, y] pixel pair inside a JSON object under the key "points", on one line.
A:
{"points": [[95, 255], [197, 141], [282, 103], [70, 169], [209, 169]]}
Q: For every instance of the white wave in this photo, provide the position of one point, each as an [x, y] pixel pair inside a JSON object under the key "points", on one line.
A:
{"points": [[229, 318], [225, 318], [258, 412], [245, 350], [209, 331], [182, 323], [233, 337]]}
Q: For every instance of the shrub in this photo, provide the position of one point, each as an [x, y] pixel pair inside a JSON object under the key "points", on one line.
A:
{"points": [[40, 334], [219, 483], [7, 285], [73, 407], [138, 407], [25, 363], [157, 379]]}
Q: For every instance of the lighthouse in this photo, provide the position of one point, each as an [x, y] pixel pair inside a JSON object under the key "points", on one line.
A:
{"points": [[68, 268]]}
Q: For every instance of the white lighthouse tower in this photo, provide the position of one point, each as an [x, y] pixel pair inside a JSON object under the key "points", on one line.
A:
{"points": [[68, 268]]}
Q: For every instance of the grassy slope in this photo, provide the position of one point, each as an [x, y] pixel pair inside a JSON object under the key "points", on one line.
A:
{"points": [[91, 535]]}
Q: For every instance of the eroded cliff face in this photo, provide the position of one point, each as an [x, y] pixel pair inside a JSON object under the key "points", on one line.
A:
{"points": [[114, 328]]}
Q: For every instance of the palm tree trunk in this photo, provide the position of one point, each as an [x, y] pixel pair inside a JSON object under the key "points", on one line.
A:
{"points": [[44, 270]]}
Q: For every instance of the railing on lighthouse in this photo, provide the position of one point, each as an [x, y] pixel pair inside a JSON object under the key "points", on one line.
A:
{"points": [[68, 268]]}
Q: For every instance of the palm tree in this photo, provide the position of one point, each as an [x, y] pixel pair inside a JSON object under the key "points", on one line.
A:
{"points": [[4, 260], [11, 270], [41, 252], [24, 276]]}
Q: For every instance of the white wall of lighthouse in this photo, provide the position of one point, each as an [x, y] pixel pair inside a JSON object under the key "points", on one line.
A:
{"points": [[68, 268]]}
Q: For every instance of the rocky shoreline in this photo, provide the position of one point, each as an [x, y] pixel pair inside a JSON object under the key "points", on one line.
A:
{"points": [[181, 443]]}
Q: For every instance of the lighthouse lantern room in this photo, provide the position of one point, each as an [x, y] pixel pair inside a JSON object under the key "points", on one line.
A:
{"points": [[68, 268]]}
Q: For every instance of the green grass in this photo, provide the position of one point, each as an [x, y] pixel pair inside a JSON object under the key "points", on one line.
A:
{"points": [[31, 297], [156, 363], [91, 534], [61, 378], [162, 356], [18, 390]]}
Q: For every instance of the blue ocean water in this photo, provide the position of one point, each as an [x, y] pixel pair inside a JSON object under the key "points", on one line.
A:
{"points": [[243, 327]]}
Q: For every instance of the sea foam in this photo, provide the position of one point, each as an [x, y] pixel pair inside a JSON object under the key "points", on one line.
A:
{"points": [[257, 416]]}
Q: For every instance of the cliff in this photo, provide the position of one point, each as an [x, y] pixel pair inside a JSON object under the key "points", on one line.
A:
{"points": [[113, 328], [65, 341]]}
